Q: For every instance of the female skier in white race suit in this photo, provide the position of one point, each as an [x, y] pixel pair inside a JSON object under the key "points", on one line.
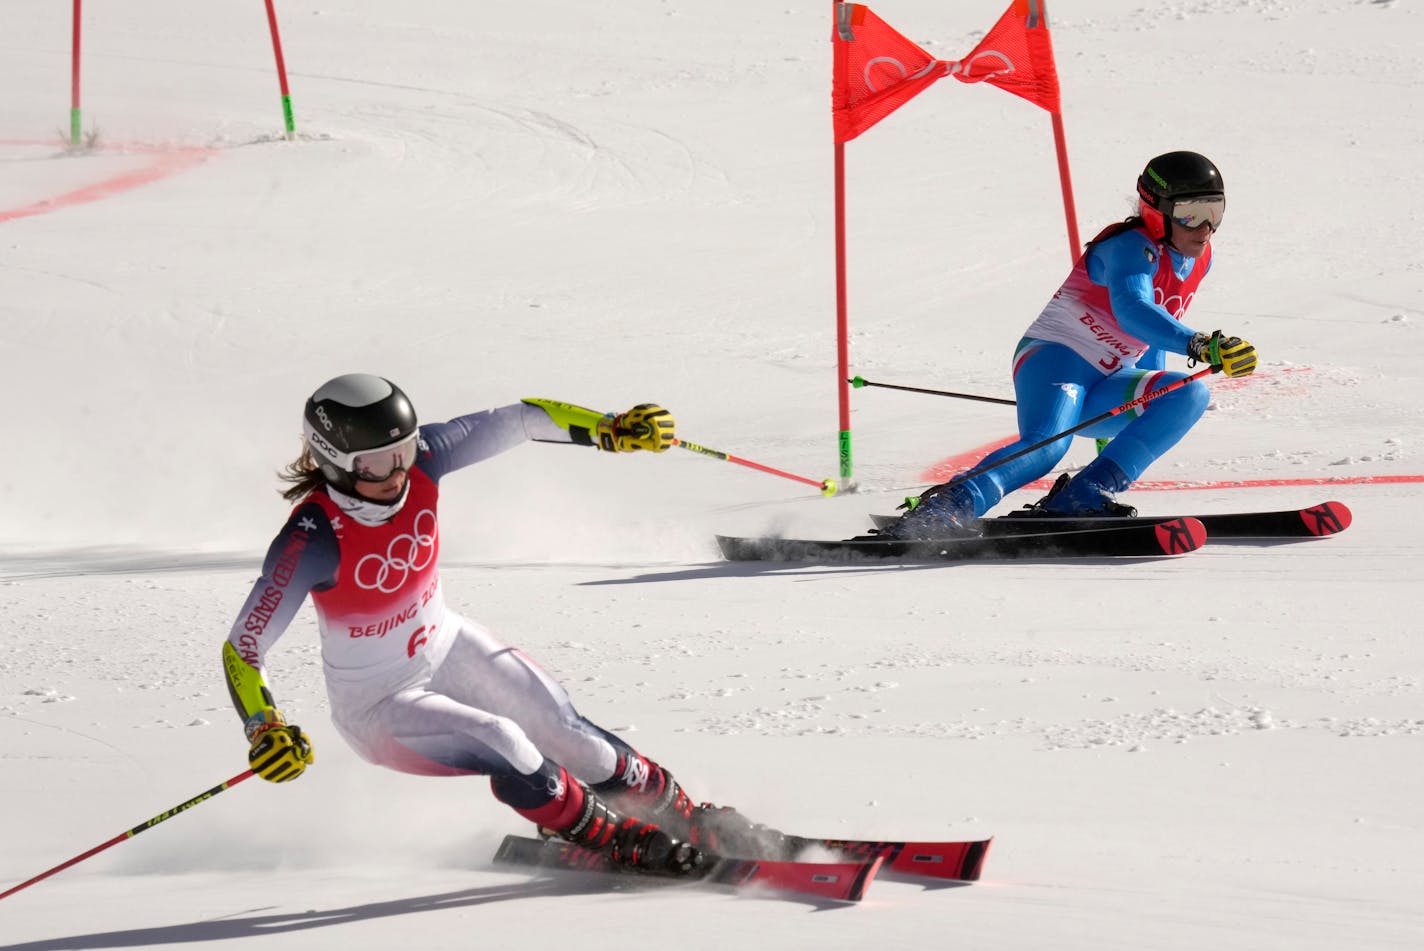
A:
{"points": [[414, 686]]}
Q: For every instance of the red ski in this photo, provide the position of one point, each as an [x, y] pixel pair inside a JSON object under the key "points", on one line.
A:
{"points": [[1129, 538], [1312, 521], [961, 861], [837, 881]]}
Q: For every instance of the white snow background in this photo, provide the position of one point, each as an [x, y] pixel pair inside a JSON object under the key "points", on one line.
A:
{"points": [[615, 203]]}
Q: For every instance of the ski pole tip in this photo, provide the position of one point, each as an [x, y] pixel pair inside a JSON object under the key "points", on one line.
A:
{"points": [[856, 381], [829, 488]]}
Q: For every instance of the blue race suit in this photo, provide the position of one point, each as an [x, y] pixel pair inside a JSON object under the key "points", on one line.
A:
{"points": [[1099, 343]]}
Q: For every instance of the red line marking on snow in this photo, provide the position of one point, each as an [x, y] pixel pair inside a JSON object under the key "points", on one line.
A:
{"points": [[162, 163], [1190, 484], [946, 469], [1239, 382]]}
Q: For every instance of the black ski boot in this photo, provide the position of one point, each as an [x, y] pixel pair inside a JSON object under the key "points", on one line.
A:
{"points": [[1090, 492], [648, 848], [629, 841], [1040, 508], [725, 831], [644, 789], [942, 511]]}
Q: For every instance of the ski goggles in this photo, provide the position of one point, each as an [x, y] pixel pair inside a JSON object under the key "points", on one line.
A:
{"points": [[378, 465], [1195, 212]]}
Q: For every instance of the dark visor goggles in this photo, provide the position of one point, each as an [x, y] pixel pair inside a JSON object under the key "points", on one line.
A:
{"points": [[1200, 210], [377, 465]]}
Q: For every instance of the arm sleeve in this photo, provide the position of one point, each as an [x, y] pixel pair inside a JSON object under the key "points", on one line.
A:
{"points": [[553, 421], [1125, 265], [302, 557], [466, 440]]}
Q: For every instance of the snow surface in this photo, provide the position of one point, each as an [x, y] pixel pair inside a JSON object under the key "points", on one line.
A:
{"points": [[613, 203]]}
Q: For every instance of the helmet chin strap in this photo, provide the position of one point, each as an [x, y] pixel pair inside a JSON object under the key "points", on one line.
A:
{"points": [[368, 511]]}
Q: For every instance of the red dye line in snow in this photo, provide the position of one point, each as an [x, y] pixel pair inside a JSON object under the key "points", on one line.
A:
{"points": [[1179, 485], [946, 469], [161, 164]]}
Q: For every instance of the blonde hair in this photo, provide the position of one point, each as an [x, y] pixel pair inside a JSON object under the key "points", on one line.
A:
{"points": [[304, 475]]}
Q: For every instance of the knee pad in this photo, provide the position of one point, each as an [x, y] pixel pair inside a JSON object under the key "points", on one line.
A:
{"points": [[531, 791]]}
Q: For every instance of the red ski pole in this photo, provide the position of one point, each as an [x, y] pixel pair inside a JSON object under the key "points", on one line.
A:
{"points": [[183, 807], [827, 486]]}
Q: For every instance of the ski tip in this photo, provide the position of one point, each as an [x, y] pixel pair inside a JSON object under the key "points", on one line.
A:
{"points": [[833, 881], [1178, 536], [862, 880], [973, 865], [1327, 518]]}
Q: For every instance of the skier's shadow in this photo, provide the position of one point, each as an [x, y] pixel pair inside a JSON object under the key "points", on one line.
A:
{"points": [[750, 569], [257, 925]]}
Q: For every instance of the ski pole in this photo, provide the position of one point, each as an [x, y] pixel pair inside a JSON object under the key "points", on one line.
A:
{"points": [[860, 381], [1161, 391], [184, 807], [827, 486]]}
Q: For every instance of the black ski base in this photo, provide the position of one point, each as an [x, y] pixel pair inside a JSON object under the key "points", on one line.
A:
{"points": [[1315, 521], [1130, 539]]}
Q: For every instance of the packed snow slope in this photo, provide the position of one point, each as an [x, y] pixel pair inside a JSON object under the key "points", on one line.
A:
{"points": [[610, 204]]}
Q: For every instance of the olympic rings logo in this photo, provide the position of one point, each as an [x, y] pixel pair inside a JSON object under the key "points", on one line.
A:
{"points": [[405, 554], [984, 66], [972, 70], [896, 66], [1176, 305]]}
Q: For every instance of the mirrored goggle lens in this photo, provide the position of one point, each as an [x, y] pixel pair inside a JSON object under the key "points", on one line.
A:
{"points": [[378, 464], [1194, 212]]}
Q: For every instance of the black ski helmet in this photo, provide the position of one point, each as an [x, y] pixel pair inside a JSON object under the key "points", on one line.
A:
{"points": [[352, 414], [1170, 177]]}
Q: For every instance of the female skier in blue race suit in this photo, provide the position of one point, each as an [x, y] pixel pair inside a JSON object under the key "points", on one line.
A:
{"points": [[1102, 342]]}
